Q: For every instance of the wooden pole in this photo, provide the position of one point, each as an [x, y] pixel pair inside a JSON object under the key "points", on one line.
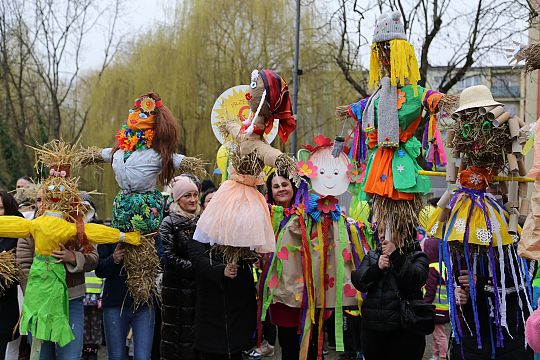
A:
{"points": [[495, 178]]}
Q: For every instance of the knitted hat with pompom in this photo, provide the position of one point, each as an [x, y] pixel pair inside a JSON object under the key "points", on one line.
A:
{"points": [[389, 27]]}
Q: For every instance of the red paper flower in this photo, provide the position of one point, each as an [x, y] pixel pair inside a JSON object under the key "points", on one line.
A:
{"points": [[320, 140], [328, 282], [307, 169], [327, 204]]}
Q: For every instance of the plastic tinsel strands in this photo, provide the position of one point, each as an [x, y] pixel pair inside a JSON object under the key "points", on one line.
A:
{"points": [[9, 271], [142, 266], [472, 287], [451, 284], [308, 313], [339, 247], [493, 269], [307, 266], [274, 264], [261, 296], [323, 251]]}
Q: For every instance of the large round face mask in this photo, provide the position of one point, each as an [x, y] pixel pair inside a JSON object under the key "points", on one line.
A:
{"points": [[331, 176], [139, 120]]}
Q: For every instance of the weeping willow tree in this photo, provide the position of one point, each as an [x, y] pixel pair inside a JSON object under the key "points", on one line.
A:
{"points": [[210, 47]]}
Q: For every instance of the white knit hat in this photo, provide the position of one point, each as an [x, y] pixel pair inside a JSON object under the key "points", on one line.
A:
{"points": [[389, 27]]}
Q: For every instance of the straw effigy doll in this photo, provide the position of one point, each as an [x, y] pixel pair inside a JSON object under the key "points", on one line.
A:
{"points": [[479, 234], [386, 123], [45, 309], [238, 219], [317, 246], [145, 156]]}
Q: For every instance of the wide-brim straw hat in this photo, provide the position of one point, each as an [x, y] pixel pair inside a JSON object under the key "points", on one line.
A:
{"points": [[475, 97]]}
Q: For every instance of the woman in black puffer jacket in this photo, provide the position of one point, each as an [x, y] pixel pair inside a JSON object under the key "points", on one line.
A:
{"points": [[383, 337], [178, 307], [9, 315]]}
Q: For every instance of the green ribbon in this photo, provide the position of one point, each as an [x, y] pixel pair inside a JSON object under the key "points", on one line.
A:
{"points": [[276, 263], [340, 269]]}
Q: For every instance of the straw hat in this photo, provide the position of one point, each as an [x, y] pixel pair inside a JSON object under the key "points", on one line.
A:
{"points": [[475, 97]]}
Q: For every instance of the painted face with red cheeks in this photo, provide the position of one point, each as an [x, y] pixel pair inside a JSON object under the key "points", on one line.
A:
{"points": [[282, 191]]}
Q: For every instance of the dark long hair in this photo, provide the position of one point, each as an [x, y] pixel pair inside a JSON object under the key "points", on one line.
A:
{"points": [[10, 204], [269, 194]]}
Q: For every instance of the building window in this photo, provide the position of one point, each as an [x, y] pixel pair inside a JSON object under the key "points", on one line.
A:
{"points": [[468, 82], [505, 86]]}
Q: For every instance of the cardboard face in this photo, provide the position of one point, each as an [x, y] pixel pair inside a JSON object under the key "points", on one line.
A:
{"points": [[331, 174]]}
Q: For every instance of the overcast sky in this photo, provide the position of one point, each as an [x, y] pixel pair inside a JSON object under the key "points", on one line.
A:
{"points": [[138, 16]]}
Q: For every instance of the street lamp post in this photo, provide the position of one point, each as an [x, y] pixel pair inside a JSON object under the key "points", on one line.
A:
{"points": [[296, 73]]}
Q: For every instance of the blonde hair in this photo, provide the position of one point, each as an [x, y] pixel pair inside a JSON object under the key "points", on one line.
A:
{"points": [[175, 208], [403, 64]]}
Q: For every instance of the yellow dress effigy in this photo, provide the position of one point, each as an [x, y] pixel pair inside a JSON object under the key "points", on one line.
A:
{"points": [[45, 309], [476, 217]]}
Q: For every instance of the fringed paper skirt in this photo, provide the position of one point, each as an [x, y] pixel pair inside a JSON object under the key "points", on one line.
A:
{"points": [[475, 217], [45, 308]]}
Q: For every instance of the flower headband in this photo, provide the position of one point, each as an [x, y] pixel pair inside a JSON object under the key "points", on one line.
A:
{"points": [[147, 104]]}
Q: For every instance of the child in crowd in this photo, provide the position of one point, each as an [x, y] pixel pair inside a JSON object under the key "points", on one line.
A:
{"points": [[435, 293]]}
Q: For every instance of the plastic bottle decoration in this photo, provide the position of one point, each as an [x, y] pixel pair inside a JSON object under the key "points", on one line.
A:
{"points": [[387, 122], [237, 219], [144, 157], [313, 260], [45, 309], [473, 224]]}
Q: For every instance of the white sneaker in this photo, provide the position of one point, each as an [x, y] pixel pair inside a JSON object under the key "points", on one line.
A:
{"points": [[434, 358], [266, 349]]}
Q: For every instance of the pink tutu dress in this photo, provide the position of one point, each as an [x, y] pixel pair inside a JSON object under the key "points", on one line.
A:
{"points": [[237, 216]]}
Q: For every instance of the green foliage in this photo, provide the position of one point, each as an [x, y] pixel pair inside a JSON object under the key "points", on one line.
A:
{"points": [[212, 46]]}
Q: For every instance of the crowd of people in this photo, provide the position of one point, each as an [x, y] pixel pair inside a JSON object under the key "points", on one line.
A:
{"points": [[270, 259]]}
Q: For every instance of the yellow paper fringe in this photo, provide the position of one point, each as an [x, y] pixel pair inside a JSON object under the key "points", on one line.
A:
{"points": [[403, 64]]}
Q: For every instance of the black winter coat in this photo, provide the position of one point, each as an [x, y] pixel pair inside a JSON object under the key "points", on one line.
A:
{"points": [[226, 315], [179, 290], [514, 342], [381, 307], [9, 314]]}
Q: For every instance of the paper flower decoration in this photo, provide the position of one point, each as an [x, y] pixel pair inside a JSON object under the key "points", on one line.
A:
{"points": [[328, 282], [148, 104], [327, 204], [307, 169], [355, 172]]}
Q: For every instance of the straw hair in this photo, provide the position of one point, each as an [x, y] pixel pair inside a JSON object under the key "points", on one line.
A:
{"points": [[401, 215], [473, 130]]}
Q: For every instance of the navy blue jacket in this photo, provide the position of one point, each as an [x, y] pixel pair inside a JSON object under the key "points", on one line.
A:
{"points": [[115, 288]]}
